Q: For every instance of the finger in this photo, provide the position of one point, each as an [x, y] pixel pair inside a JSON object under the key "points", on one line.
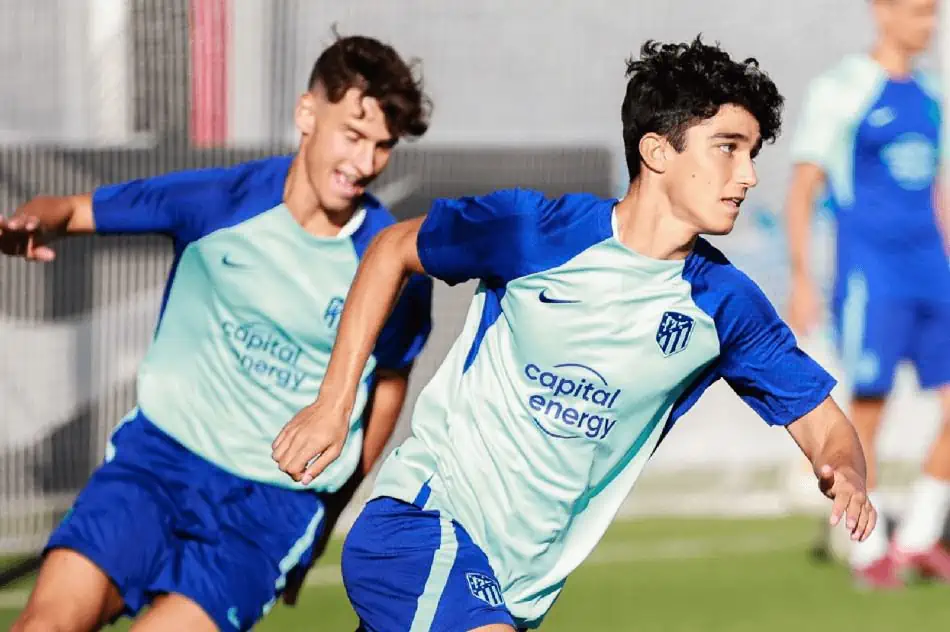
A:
{"points": [[288, 438], [15, 223], [30, 246], [841, 501], [44, 254], [316, 467], [287, 453], [855, 505], [30, 224], [277, 447], [862, 524], [305, 450]]}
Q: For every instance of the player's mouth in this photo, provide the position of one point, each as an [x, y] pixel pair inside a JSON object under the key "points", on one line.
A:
{"points": [[733, 202], [347, 184]]}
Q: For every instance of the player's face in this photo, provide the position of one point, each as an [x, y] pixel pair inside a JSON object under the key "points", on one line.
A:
{"points": [[347, 145], [709, 179], [909, 23]]}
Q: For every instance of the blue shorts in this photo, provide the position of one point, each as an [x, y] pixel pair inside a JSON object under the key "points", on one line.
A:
{"points": [[157, 519], [874, 335], [406, 568]]}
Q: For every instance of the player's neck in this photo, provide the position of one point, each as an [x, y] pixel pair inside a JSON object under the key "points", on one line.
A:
{"points": [[305, 207], [896, 61], [647, 225]]}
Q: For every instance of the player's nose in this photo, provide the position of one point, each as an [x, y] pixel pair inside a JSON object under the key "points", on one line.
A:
{"points": [[363, 162], [745, 174]]}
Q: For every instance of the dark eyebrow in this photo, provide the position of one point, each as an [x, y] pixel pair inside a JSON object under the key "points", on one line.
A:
{"points": [[731, 136]]}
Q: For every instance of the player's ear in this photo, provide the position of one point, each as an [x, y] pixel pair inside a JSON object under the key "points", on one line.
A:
{"points": [[305, 114], [654, 152]]}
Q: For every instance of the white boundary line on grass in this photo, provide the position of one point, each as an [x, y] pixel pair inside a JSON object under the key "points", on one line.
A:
{"points": [[605, 555]]}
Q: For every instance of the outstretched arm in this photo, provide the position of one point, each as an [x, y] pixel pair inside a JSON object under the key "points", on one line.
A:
{"points": [[170, 204], [762, 362], [829, 441], [315, 436]]}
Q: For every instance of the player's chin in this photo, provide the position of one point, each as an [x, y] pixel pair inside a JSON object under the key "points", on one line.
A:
{"points": [[721, 227], [335, 202], [722, 221]]}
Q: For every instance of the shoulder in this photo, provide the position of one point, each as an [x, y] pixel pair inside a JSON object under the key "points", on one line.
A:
{"points": [[929, 82], [727, 294], [226, 195], [218, 198], [851, 73], [709, 270], [846, 85], [260, 179]]}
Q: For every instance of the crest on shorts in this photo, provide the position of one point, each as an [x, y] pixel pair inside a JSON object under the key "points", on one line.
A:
{"points": [[674, 332], [484, 588]]}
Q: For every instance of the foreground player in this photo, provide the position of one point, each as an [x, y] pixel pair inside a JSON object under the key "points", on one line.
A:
{"points": [[596, 325], [870, 131], [189, 513]]}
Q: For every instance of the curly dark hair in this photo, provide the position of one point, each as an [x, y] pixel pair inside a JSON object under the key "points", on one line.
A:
{"points": [[379, 72], [672, 87]]}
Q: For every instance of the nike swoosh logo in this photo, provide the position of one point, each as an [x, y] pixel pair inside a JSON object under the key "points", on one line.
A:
{"points": [[232, 264], [544, 298]]}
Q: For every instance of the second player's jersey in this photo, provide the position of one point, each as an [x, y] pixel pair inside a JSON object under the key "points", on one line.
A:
{"points": [[576, 358], [250, 312], [877, 139]]}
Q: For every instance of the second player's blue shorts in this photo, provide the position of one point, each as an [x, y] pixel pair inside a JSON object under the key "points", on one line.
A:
{"points": [[407, 568], [875, 334], [158, 519]]}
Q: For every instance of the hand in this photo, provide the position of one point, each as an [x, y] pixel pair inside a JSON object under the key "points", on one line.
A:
{"points": [[21, 236], [849, 492], [312, 440], [804, 305]]}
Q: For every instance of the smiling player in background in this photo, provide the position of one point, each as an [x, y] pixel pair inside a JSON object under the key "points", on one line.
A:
{"points": [[189, 514]]}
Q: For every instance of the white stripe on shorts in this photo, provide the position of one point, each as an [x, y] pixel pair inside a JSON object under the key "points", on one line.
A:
{"points": [[442, 564]]}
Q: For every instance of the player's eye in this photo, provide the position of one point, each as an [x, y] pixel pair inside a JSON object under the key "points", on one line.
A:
{"points": [[352, 135], [727, 148]]}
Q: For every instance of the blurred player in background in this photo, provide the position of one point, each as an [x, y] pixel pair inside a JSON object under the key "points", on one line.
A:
{"points": [[189, 513], [597, 323], [870, 133]]}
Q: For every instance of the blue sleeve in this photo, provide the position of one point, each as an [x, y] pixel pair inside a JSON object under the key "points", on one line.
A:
{"points": [[509, 234], [761, 360], [170, 204], [485, 237], [406, 331]]}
